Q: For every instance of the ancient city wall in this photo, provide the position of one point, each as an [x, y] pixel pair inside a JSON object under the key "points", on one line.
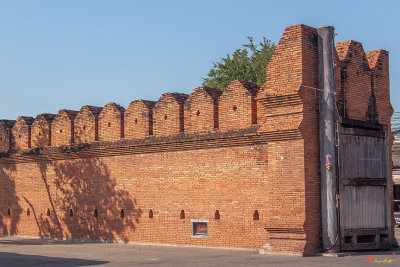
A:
{"points": [[245, 159]]}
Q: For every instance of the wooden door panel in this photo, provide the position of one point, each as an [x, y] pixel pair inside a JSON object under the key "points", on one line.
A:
{"points": [[362, 157], [362, 207]]}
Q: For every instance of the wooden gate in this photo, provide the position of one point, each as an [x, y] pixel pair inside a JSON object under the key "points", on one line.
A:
{"points": [[364, 187]]}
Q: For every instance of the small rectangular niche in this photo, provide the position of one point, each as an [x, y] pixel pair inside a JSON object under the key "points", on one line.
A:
{"points": [[200, 228]]}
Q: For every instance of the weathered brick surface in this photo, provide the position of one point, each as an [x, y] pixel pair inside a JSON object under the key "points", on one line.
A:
{"points": [[21, 133], [62, 131], [5, 135], [138, 119], [168, 114], [111, 122], [202, 110], [200, 184], [86, 125], [285, 69], [251, 153], [238, 106], [41, 130], [356, 79]]}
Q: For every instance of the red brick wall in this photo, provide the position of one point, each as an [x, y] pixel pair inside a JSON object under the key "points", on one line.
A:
{"points": [[111, 122], [21, 133], [202, 110], [379, 64], [288, 105], [5, 135], [356, 78], [86, 125], [41, 131], [166, 183], [138, 119], [62, 132], [168, 114], [237, 106], [263, 156], [284, 71]]}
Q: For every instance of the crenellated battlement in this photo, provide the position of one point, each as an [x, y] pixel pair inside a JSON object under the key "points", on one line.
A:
{"points": [[41, 130], [62, 132], [111, 122], [361, 83], [362, 80], [86, 125], [206, 110]]}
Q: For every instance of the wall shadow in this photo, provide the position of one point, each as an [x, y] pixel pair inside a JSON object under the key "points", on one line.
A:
{"points": [[16, 259], [10, 210], [85, 202]]}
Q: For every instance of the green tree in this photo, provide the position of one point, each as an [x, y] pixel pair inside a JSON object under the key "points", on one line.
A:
{"points": [[247, 64]]}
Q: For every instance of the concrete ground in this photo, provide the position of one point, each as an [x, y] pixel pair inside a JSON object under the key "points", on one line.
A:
{"points": [[16, 251]]}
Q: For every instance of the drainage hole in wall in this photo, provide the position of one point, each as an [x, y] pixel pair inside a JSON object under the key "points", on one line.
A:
{"points": [[217, 216], [256, 216]]}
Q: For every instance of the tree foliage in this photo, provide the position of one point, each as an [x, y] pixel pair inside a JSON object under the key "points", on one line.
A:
{"points": [[247, 64]]}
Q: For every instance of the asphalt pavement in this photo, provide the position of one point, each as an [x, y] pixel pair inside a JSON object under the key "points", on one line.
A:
{"points": [[17, 251]]}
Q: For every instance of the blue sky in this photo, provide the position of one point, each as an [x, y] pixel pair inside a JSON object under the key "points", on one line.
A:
{"points": [[65, 54]]}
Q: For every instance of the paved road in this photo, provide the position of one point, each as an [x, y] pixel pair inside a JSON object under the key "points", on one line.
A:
{"points": [[36, 252]]}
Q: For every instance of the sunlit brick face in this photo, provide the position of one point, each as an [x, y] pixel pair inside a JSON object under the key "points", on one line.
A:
{"points": [[201, 111], [40, 132], [237, 106], [21, 135], [138, 119], [62, 129], [85, 127], [5, 137], [168, 115], [111, 123]]}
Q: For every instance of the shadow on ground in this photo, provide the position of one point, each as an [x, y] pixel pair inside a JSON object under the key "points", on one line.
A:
{"points": [[16, 259], [47, 241]]}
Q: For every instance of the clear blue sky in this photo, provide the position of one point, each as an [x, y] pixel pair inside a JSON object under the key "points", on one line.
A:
{"points": [[65, 54]]}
